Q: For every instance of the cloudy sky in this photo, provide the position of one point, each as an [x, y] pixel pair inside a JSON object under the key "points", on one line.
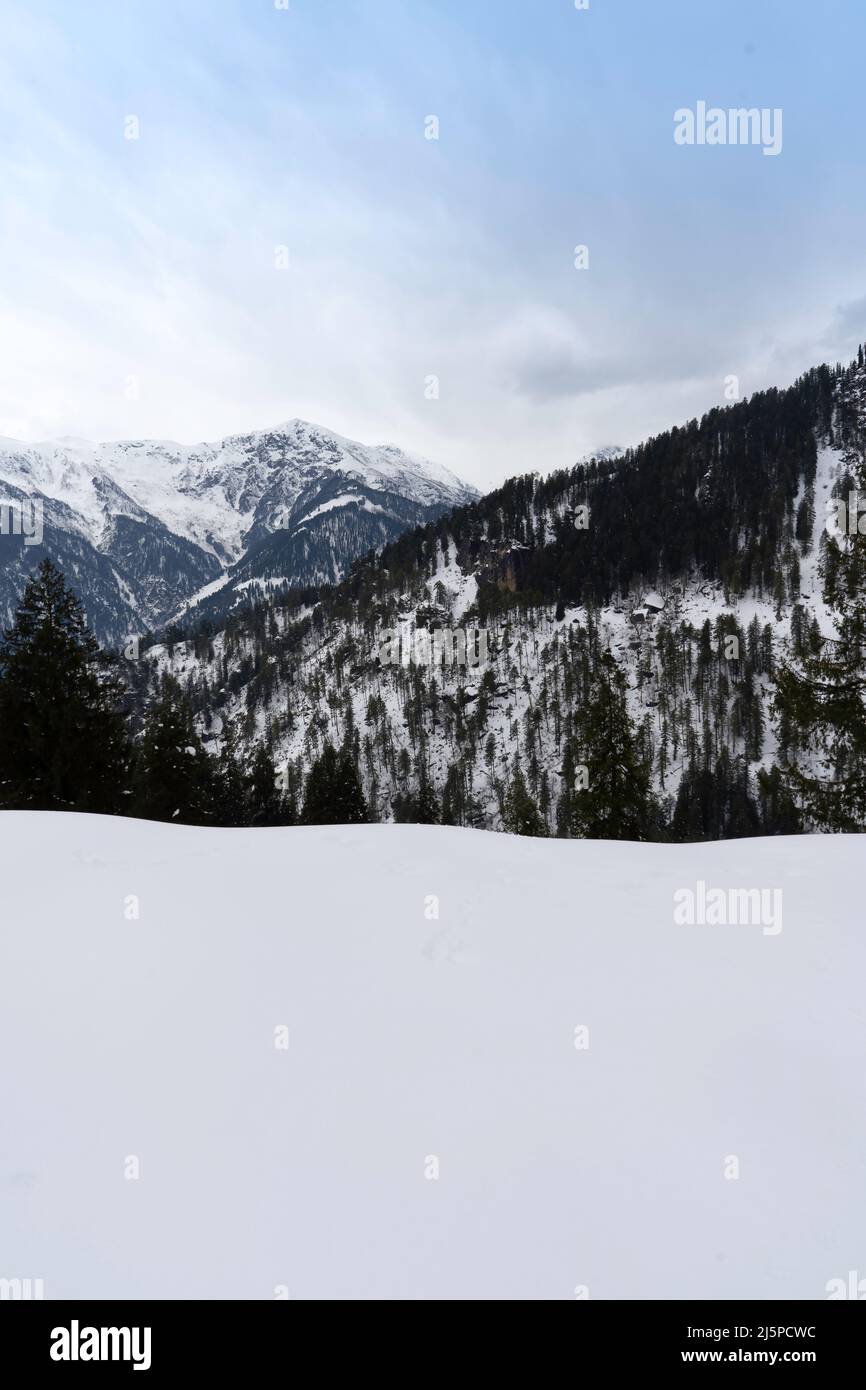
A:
{"points": [[142, 291]]}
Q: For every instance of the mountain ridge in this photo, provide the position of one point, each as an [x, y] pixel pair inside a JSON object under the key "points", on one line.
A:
{"points": [[706, 566], [157, 521]]}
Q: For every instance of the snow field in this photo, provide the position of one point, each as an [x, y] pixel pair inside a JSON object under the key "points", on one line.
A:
{"points": [[548, 1086]]}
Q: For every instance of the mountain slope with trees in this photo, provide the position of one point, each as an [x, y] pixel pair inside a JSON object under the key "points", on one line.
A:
{"points": [[666, 645], [657, 626]]}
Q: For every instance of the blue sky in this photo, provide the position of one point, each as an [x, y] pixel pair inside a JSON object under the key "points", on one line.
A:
{"points": [[139, 294]]}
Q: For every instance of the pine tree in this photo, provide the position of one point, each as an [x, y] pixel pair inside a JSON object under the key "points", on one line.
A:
{"points": [[429, 811], [695, 814], [566, 810], [521, 815], [616, 803], [453, 796], [63, 744], [333, 794], [229, 806], [820, 704], [266, 806], [174, 779], [778, 811], [714, 801]]}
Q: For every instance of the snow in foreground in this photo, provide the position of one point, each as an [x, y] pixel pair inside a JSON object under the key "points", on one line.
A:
{"points": [[419, 1047]]}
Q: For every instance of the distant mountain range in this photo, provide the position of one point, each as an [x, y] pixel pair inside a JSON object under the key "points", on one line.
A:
{"points": [[147, 530]]}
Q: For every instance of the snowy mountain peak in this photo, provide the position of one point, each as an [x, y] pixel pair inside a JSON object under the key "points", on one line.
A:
{"points": [[297, 502], [607, 453]]}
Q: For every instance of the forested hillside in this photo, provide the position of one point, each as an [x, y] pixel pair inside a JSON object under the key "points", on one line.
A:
{"points": [[662, 631], [665, 645]]}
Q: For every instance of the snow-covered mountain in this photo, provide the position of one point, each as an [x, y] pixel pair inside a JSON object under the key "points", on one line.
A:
{"points": [[697, 563], [143, 528]]}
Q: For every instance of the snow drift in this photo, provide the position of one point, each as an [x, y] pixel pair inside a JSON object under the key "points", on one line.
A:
{"points": [[550, 1087]]}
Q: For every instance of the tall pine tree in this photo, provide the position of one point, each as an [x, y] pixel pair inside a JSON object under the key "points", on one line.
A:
{"points": [[333, 793], [615, 804], [63, 744], [267, 805], [174, 779], [820, 703], [521, 815]]}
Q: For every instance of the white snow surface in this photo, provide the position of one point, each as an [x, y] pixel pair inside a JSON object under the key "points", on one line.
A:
{"points": [[411, 1039]]}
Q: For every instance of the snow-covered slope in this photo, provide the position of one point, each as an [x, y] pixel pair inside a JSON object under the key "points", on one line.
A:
{"points": [[432, 1130], [525, 686], [297, 501]]}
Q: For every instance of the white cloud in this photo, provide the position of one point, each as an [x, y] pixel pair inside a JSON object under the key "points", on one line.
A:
{"points": [[139, 294]]}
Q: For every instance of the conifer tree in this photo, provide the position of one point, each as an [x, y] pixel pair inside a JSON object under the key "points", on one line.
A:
{"points": [[615, 804], [521, 815], [778, 811], [453, 796], [333, 794], [229, 806], [429, 811], [820, 704], [173, 777], [266, 804], [63, 744]]}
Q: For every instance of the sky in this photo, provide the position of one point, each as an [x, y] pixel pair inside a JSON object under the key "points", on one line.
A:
{"points": [[217, 215]]}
